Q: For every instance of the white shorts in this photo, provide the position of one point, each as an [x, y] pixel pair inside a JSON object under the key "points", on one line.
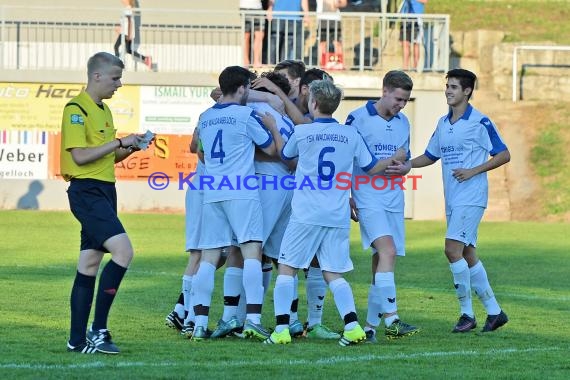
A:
{"points": [[463, 222], [375, 223], [222, 220], [276, 210], [193, 217], [331, 245]]}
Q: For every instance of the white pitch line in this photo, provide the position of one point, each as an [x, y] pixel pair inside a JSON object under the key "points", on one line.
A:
{"points": [[250, 363]]}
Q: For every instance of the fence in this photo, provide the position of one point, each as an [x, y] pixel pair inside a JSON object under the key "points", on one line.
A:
{"points": [[185, 40], [552, 64]]}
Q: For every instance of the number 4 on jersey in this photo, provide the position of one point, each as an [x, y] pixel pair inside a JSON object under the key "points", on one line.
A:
{"points": [[218, 144]]}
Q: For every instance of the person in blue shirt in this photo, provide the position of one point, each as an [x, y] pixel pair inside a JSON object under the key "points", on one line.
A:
{"points": [[287, 37], [463, 140], [411, 33]]}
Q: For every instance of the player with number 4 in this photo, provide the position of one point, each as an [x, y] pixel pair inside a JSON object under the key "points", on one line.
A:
{"points": [[229, 132]]}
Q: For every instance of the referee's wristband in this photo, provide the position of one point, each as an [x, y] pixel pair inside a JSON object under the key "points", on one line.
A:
{"points": [[120, 143]]}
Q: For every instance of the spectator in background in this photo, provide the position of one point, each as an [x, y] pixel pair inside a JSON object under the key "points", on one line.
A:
{"points": [[411, 32], [256, 25], [428, 40], [287, 37], [328, 16], [129, 31]]}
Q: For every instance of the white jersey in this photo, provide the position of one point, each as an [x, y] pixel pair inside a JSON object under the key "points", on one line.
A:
{"points": [[228, 133], [464, 144], [384, 138], [327, 151], [285, 127]]}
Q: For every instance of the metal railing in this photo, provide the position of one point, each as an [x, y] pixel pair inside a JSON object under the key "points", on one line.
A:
{"points": [[552, 64], [208, 41]]}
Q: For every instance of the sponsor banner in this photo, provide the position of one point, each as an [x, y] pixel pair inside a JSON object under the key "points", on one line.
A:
{"points": [[124, 107], [27, 106], [172, 110], [24, 154], [33, 105], [169, 154]]}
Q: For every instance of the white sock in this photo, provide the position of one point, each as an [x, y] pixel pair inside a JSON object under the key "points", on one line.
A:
{"points": [[187, 291], [374, 308], [295, 314], [282, 298], [233, 278], [267, 269], [253, 285], [242, 305], [387, 289], [202, 288], [316, 291], [343, 299], [179, 309], [480, 283], [462, 282]]}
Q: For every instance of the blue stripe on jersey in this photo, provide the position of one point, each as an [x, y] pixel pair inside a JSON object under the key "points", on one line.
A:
{"points": [[465, 115], [431, 156], [409, 153], [349, 120], [374, 161], [371, 165], [269, 137], [372, 111], [325, 120], [285, 157], [224, 105], [267, 143], [498, 145], [370, 107]]}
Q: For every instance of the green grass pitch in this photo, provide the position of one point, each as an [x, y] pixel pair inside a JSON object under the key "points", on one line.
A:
{"points": [[527, 264]]}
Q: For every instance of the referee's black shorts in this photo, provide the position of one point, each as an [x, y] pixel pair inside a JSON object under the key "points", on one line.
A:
{"points": [[94, 205]]}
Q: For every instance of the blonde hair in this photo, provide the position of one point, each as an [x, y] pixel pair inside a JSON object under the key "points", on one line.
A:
{"points": [[326, 94]]}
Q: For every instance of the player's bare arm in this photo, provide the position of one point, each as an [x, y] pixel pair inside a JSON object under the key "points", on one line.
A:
{"points": [[290, 107], [402, 167], [421, 161], [353, 210], [501, 158], [82, 156], [382, 165], [265, 97], [194, 142], [270, 123]]}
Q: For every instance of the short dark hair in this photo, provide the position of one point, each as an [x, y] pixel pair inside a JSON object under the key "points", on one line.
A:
{"points": [[232, 78], [278, 79], [295, 68], [466, 78], [397, 79], [97, 61], [314, 74]]}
